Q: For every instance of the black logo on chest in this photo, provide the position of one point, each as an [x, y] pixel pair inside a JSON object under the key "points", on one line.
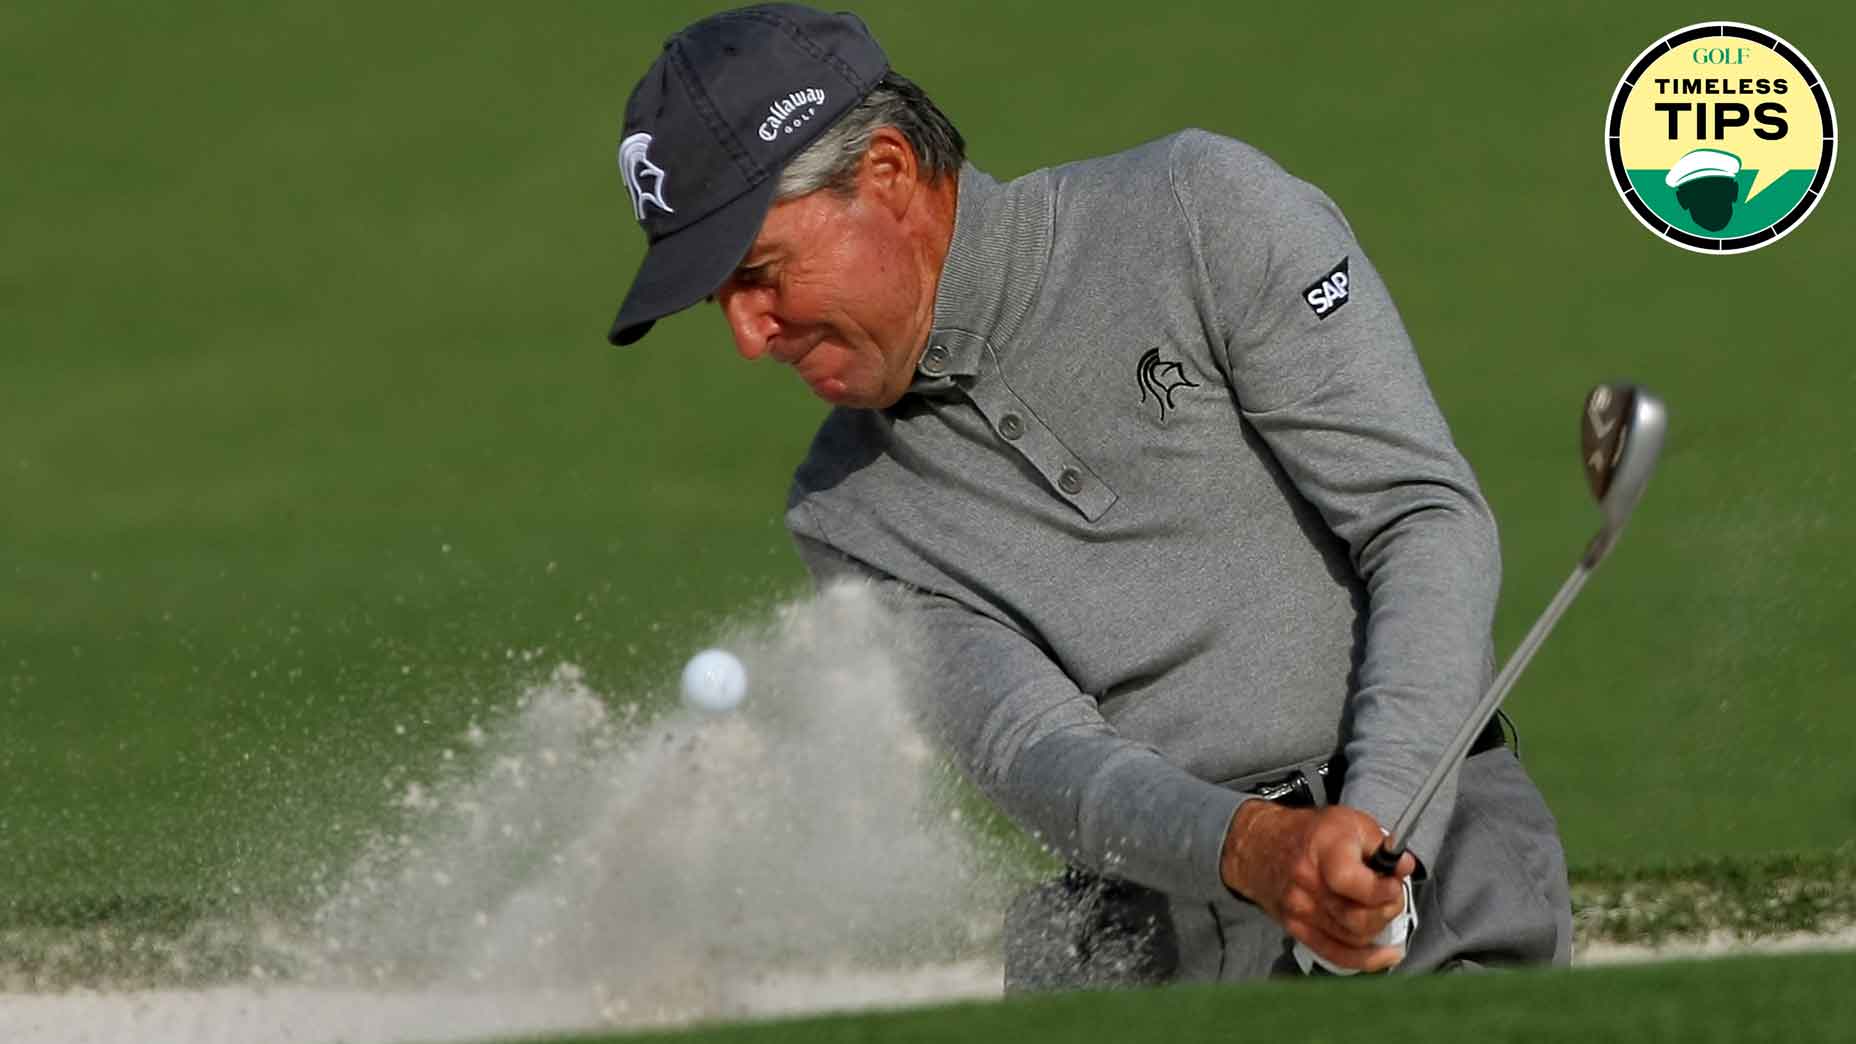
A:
{"points": [[1159, 379]]}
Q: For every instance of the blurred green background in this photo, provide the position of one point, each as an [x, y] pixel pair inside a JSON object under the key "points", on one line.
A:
{"points": [[312, 451]]}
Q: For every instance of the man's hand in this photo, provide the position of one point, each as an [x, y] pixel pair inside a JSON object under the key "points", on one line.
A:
{"points": [[1307, 869]]}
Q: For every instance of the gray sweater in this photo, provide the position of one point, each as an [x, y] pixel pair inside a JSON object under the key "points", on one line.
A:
{"points": [[1172, 505]]}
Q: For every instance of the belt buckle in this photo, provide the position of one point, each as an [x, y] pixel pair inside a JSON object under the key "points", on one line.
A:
{"points": [[1290, 788], [1297, 788]]}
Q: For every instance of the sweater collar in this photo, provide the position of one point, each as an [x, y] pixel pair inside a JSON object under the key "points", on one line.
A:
{"points": [[994, 268]]}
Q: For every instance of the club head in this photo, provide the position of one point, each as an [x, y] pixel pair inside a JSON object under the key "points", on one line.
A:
{"points": [[1621, 436]]}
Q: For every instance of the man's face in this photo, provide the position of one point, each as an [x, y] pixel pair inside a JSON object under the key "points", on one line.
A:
{"points": [[834, 287]]}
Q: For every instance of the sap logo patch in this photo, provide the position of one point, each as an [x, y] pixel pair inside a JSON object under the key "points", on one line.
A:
{"points": [[1327, 296]]}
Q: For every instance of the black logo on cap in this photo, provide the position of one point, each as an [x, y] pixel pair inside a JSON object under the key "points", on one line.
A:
{"points": [[1160, 379]]}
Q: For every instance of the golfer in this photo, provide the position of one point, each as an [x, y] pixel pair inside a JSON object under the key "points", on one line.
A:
{"points": [[1146, 454]]}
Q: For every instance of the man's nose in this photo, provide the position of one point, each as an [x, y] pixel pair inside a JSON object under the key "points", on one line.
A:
{"points": [[750, 319]]}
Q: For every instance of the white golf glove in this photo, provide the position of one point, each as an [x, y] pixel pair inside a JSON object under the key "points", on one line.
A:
{"points": [[1396, 932]]}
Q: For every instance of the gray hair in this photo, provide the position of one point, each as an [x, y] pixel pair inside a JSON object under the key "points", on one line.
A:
{"points": [[831, 162]]}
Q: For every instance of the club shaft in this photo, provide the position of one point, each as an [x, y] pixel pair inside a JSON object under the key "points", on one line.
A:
{"points": [[1394, 844]]}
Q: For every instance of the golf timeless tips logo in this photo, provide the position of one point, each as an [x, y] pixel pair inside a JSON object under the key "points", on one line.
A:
{"points": [[1721, 137]]}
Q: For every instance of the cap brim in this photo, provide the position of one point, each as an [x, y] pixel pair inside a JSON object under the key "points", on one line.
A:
{"points": [[689, 264]]}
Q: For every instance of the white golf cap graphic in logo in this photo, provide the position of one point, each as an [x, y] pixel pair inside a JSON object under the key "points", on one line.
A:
{"points": [[638, 170], [1702, 163]]}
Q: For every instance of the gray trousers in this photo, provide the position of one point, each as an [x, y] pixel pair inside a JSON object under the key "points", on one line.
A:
{"points": [[1497, 897]]}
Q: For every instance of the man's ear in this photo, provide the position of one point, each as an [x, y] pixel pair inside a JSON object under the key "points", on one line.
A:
{"points": [[891, 173]]}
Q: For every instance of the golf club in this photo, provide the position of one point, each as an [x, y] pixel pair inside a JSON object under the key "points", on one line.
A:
{"points": [[1621, 435]]}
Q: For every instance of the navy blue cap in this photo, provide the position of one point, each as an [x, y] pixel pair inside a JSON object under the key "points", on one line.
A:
{"points": [[730, 100]]}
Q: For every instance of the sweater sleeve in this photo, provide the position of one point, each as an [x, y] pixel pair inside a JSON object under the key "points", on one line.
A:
{"points": [[1324, 371], [1040, 749]]}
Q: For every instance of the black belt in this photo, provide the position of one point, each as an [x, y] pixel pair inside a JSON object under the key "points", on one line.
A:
{"points": [[1296, 789]]}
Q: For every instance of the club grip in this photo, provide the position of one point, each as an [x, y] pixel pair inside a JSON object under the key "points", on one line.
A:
{"points": [[1384, 861]]}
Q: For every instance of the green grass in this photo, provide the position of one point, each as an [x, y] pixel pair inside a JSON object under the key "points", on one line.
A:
{"points": [[311, 451], [1802, 998], [1745, 898]]}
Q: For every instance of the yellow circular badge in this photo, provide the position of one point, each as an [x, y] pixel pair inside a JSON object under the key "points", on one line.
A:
{"points": [[1721, 137]]}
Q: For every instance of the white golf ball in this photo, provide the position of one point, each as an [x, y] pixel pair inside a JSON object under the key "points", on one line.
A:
{"points": [[714, 681]]}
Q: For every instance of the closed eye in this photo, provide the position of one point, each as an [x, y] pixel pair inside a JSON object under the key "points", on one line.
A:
{"points": [[748, 277], [755, 275]]}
